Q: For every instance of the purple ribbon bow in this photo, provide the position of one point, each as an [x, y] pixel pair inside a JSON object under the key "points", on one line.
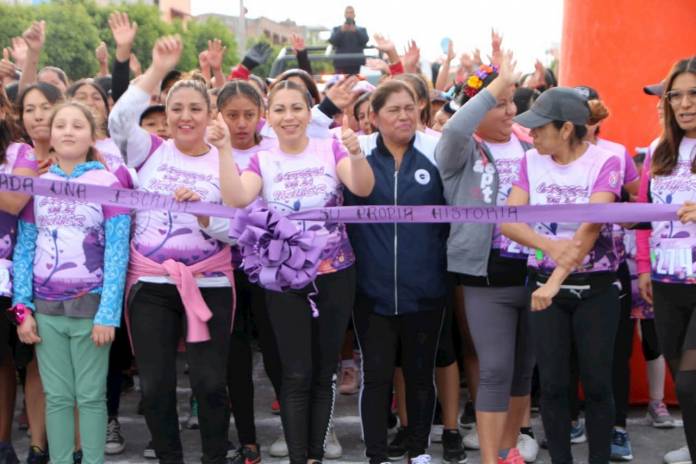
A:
{"points": [[277, 255]]}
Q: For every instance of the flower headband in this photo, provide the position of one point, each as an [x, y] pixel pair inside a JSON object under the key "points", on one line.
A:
{"points": [[474, 83]]}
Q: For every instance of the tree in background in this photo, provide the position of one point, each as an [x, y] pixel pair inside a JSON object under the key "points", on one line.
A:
{"points": [[74, 29]]}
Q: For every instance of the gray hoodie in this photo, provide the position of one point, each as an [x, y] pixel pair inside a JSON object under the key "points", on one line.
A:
{"points": [[469, 177]]}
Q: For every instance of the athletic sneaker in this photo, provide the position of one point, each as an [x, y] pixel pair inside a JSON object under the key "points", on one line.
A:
{"points": [[279, 448], [513, 457], [659, 415], [621, 446], [453, 451], [420, 459], [37, 456], [275, 407], [246, 455], [77, 457], [678, 456], [471, 440], [350, 381], [192, 421], [115, 443], [396, 450], [7, 454], [577, 432], [333, 449], [528, 447], [149, 451]]}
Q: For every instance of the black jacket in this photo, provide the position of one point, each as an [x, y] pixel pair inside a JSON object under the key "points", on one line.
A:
{"points": [[401, 268]]}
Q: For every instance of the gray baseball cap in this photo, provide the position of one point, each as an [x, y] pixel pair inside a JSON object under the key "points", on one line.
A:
{"points": [[556, 104], [655, 89]]}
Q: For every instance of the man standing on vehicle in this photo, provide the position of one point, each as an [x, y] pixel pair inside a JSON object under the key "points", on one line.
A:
{"points": [[347, 38]]}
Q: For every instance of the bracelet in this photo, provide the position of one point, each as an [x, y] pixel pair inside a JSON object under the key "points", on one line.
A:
{"points": [[18, 313]]}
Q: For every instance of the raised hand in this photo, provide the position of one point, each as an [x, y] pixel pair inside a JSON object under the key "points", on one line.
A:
{"points": [[203, 62], [35, 36], [383, 44], [102, 54], [19, 51], [349, 138], [257, 55], [122, 29], [496, 41], [411, 57], [496, 57], [377, 64], [134, 65], [166, 53], [477, 58], [342, 94], [216, 53], [297, 42], [506, 71], [7, 68], [218, 134], [450, 51]]}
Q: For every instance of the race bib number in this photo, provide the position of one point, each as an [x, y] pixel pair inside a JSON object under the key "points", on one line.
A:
{"points": [[673, 261]]}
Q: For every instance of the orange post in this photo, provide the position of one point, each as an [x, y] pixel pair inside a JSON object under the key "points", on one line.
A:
{"points": [[619, 46]]}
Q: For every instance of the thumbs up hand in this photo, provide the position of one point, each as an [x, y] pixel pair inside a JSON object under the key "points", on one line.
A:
{"points": [[350, 139], [219, 134]]}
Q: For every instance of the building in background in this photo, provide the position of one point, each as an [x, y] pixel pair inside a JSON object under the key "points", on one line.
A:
{"points": [[277, 33]]}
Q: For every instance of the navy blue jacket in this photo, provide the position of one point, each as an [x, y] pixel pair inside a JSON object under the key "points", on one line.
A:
{"points": [[401, 268]]}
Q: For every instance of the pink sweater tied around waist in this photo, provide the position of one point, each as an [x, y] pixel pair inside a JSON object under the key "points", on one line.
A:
{"points": [[197, 311]]}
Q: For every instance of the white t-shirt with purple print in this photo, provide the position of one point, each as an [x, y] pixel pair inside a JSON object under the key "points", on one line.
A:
{"points": [[295, 182], [161, 235], [549, 183], [673, 244]]}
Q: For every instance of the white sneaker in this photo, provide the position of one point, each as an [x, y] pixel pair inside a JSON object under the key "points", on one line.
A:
{"points": [[420, 459], [279, 448], [333, 449], [436, 433], [680, 456], [471, 440], [528, 447]]}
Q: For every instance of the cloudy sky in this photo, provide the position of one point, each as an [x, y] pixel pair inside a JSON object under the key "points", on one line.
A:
{"points": [[529, 27]]}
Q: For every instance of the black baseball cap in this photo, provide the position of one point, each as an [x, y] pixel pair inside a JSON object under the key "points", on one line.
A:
{"points": [[654, 89], [556, 104]]}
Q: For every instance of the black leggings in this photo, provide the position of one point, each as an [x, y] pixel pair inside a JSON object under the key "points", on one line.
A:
{"points": [[251, 311], [309, 350], [380, 337], [675, 321], [621, 372], [591, 320], [157, 323], [120, 359]]}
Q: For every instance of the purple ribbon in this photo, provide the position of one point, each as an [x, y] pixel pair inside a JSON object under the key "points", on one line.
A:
{"points": [[141, 200], [277, 255]]}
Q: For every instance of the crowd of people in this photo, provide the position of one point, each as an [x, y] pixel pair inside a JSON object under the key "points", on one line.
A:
{"points": [[95, 293]]}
